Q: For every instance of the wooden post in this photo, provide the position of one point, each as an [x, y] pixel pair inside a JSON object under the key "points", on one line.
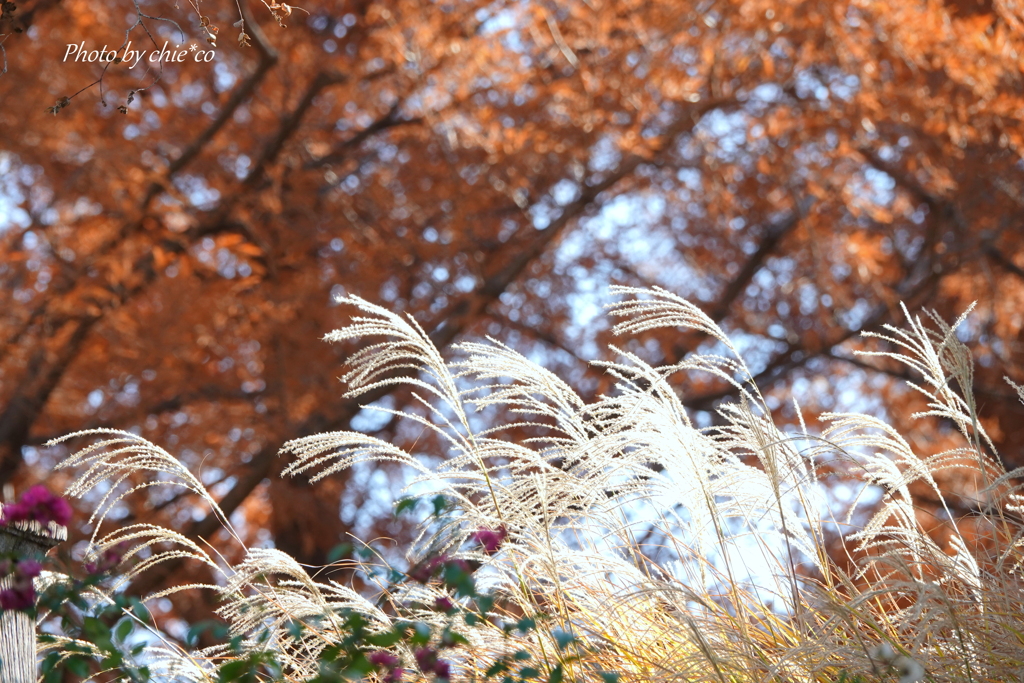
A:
{"points": [[26, 540]]}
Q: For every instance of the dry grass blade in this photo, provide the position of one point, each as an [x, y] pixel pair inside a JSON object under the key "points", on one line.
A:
{"points": [[672, 552]]}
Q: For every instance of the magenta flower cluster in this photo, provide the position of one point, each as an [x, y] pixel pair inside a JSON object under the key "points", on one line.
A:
{"points": [[389, 663], [427, 661], [425, 571], [108, 559], [35, 505], [20, 595], [490, 539], [38, 504]]}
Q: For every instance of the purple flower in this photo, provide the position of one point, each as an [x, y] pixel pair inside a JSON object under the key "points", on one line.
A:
{"points": [[444, 604], [426, 658], [426, 569], [383, 659], [39, 505], [387, 661], [458, 564], [21, 594], [108, 560], [490, 539], [28, 569], [420, 573], [20, 597]]}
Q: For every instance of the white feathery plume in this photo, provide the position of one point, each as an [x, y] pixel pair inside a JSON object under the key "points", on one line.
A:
{"points": [[675, 552]]}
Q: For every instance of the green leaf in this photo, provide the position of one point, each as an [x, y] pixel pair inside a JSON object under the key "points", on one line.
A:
{"points": [[355, 622], [526, 624], [295, 629], [499, 667], [124, 629], [384, 639], [139, 609], [451, 639], [218, 629], [420, 635], [529, 672], [77, 665], [609, 677], [452, 573], [406, 505], [232, 671], [440, 504], [359, 668], [564, 639], [339, 551], [556, 675], [95, 630], [112, 660], [330, 654], [521, 656], [465, 588], [50, 662]]}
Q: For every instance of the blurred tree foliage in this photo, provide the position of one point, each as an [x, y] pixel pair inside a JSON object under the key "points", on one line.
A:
{"points": [[171, 236]]}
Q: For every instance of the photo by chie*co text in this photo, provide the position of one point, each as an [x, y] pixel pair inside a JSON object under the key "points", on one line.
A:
{"points": [[79, 53]]}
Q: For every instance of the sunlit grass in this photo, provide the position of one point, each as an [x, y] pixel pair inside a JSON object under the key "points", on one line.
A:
{"points": [[668, 552]]}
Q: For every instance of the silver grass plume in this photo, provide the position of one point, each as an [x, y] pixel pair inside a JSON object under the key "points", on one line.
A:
{"points": [[673, 552]]}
